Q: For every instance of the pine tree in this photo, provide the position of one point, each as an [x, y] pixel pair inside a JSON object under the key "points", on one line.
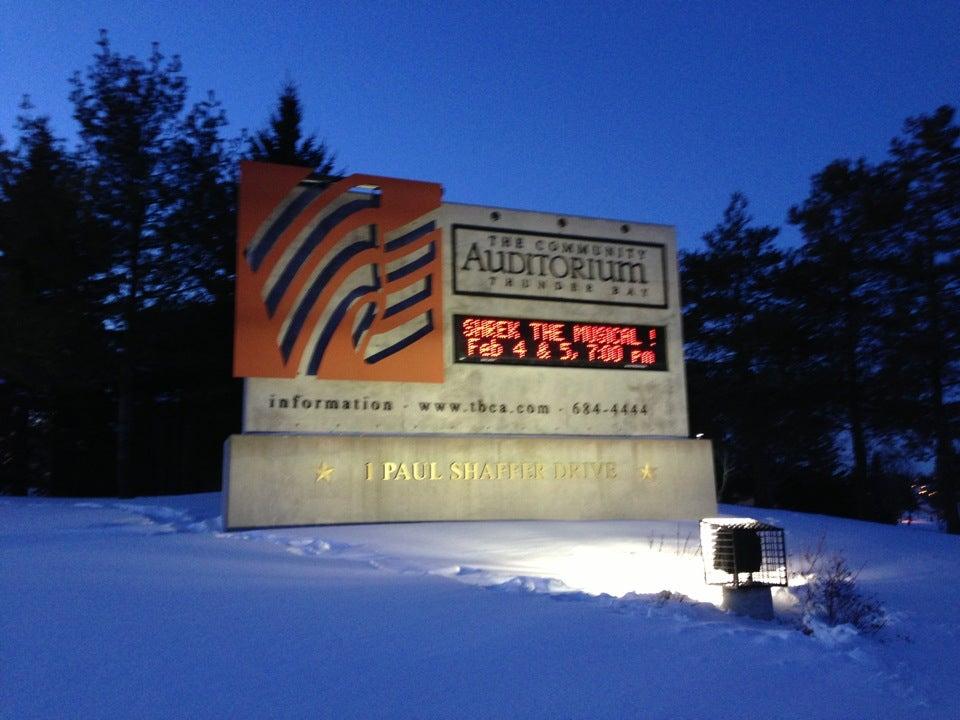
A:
{"points": [[845, 224], [200, 230], [283, 142], [727, 293], [926, 288], [195, 401], [128, 112], [54, 363]]}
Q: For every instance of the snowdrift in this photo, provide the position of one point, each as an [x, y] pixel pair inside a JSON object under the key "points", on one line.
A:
{"points": [[147, 609]]}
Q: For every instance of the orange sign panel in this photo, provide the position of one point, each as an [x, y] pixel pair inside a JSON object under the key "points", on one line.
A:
{"points": [[340, 282]]}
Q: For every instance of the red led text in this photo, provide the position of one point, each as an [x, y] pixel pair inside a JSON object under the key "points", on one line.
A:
{"points": [[558, 343]]}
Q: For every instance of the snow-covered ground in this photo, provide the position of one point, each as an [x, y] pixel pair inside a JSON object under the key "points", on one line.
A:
{"points": [[145, 609]]}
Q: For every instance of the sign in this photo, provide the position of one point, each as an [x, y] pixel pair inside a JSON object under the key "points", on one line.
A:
{"points": [[309, 479], [563, 343], [461, 388], [406, 358], [524, 264]]}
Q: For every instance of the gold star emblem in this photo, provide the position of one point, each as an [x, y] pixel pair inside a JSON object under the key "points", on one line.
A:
{"points": [[647, 471], [324, 472]]}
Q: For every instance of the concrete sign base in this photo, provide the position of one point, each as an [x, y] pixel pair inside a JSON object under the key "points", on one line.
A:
{"points": [[285, 480]]}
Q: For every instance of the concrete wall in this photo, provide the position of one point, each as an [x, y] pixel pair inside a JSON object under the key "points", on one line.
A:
{"points": [[311, 479]]}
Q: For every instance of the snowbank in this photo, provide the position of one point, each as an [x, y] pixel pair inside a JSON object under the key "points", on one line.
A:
{"points": [[147, 609]]}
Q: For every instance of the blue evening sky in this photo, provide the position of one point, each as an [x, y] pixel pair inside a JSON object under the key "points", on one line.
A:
{"points": [[643, 111]]}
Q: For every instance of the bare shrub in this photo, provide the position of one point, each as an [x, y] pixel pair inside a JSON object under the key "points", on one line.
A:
{"points": [[831, 595]]}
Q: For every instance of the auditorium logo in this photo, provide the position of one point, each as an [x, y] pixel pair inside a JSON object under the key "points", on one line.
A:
{"points": [[340, 282]]}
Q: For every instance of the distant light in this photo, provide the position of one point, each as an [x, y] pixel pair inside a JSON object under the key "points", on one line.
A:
{"points": [[699, 435]]}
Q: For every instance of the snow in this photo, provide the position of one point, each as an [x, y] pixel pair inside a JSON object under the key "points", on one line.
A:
{"points": [[147, 609]]}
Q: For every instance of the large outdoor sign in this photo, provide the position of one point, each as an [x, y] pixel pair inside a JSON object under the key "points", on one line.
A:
{"points": [[409, 340]]}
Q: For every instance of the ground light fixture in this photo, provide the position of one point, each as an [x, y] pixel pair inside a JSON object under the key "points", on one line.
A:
{"points": [[747, 558]]}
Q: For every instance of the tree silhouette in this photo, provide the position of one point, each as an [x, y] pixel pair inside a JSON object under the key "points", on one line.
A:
{"points": [[926, 287], [128, 113], [200, 229], [845, 223], [55, 363], [727, 292], [283, 142]]}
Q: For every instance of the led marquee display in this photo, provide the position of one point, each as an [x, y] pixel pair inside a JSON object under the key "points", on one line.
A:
{"points": [[559, 343]]}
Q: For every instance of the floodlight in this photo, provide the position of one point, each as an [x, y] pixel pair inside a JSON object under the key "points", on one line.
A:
{"points": [[747, 557]]}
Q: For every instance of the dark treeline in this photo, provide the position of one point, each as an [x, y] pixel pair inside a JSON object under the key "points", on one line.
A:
{"points": [[825, 373], [116, 282]]}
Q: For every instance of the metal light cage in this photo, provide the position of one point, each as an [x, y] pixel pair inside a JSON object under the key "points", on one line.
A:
{"points": [[741, 552]]}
